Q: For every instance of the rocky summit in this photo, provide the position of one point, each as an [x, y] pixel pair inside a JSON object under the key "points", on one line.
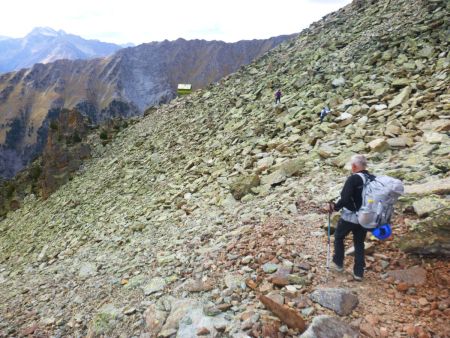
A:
{"points": [[205, 217]]}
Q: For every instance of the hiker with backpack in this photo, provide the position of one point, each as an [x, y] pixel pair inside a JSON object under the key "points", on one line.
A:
{"points": [[350, 202], [278, 96], [366, 203], [324, 113]]}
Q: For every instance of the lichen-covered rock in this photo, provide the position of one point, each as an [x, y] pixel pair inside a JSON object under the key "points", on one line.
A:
{"points": [[430, 235], [436, 186], [402, 97], [427, 205], [293, 167], [154, 285], [104, 321], [379, 145], [243, 185], [274, 178]]}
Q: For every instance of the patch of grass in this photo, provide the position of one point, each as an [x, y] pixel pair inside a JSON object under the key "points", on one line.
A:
{"points": [[35, 172], [103, 135], [76, 138], [10, 188], [53, 125]]}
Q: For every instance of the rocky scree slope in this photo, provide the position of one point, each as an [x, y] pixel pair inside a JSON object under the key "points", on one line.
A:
{"points": [[121, 85], [178, 225]]}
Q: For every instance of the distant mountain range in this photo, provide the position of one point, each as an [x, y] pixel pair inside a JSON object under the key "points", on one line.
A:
{"points": [[44, 45], [124, 84]]}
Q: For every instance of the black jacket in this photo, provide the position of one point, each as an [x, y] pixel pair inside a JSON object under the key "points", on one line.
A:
{"points": [[351, 194]]}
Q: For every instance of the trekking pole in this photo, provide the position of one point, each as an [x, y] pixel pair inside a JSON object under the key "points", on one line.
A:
{"points": [[329, 235]]}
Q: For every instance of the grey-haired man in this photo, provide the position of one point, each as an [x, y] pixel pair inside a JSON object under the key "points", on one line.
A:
{"points": [[349, 204]]}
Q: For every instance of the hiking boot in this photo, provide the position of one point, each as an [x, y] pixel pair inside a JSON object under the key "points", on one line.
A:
{"points": [[357, 278], [336, 267]]}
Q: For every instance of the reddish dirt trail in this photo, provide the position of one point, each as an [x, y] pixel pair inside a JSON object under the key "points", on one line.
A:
{"points": [[386, 308]]}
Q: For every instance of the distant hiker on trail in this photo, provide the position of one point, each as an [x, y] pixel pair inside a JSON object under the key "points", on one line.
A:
{"points": [[278, 96], [323, 113], [350, 202]]}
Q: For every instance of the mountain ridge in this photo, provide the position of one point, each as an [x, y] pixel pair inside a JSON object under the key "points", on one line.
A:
{"points": [[44, 45], [123, 84]]}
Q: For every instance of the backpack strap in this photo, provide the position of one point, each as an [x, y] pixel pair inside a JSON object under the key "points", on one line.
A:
{"points": [[366, 177], [363, 177], [366, 180]]}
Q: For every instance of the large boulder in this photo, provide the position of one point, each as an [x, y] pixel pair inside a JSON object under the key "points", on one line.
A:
{"points": [[274, 178], [341, 301], [435, 243], [329, 327], [325, 150], [430, 235], [434, 137], [264, 164], [243, 185], [411, 276], [294, 167], [343, 158], [379, 145], [436, 125], [400, 142], [338, 82], [427, 205], [179, 309], [286, 314], [437, 186], [154, 285], [154, 319], [401, 98]]}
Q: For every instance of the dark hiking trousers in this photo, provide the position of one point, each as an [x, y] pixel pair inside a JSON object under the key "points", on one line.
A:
{"points": [[359, 234]]}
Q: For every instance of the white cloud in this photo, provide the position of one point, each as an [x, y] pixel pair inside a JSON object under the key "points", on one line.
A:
{"points": [[140, 21]]}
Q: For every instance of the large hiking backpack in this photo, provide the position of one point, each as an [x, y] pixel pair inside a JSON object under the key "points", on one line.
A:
{"points": [[378, 198]]}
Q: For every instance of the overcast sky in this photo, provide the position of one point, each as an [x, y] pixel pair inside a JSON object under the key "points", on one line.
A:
{"points": [[139, 21]]}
